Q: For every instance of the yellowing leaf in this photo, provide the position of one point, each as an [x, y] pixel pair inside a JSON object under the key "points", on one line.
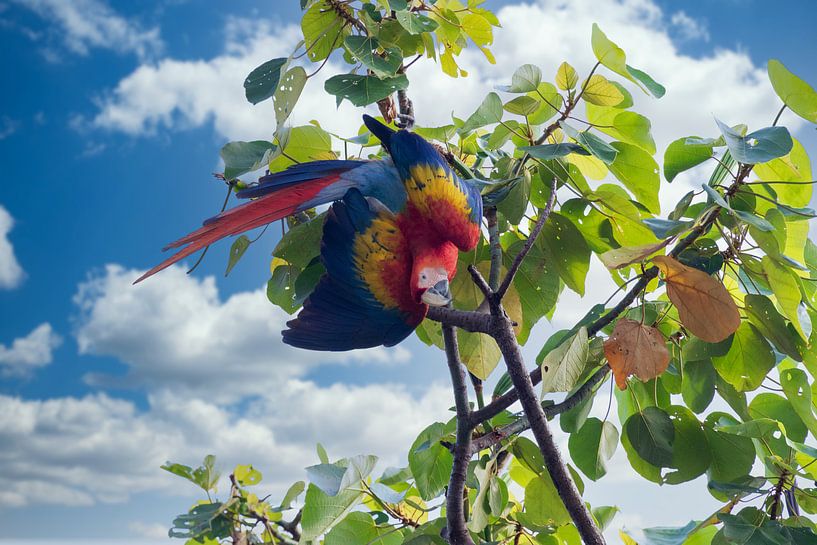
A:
{"points": [[704, 305], [618, 258], [599, 91], [566, 77], [635, 349]]}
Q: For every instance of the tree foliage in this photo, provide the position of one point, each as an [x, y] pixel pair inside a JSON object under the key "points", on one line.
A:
{"points": [[717, 299]]}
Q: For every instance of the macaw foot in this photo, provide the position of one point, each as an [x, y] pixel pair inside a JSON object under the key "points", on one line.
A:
{"points": [[404, 121]]}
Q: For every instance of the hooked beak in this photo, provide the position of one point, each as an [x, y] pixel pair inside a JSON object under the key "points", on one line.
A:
{"points": [[439, 295]]}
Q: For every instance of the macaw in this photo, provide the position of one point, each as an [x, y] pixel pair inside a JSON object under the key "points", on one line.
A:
{"points": [[390, 239]]}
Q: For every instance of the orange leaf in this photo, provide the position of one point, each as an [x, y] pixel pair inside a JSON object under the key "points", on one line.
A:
{"points": [[635, 349], [703, 302]]}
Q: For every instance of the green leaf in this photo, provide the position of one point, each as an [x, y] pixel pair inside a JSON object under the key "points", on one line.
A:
{"points": [[301, 244], [489, 112], [732, 455], [236, 251], [797, 388], [652, 86], [669, 536], [321, 511], [206, 475], [522, 105], [593, 446], [761, 427], [758, 147], [526, 78], [359, 528], [714, 196], [562, 366], [242, 157], [753, 220], [682, 155], [566, 77], [365, 49], [546, 152], [301, 145], [262, 82], [666, 228], [768, 321], [364, 90], [202, 521], [515, 203], [431, 466], [795, 93], [288, 93], [543, 504], [698, 384], [591, 143], [358, 468], [748, 361], [651, 434], [786, 290], [323, 29], [690, 455], [600, 91], [291, 495], [794, 167], [779, 409], [327, 477], [247, 475], [416, 23], [536, 282], [638, 171], [567, 249]]}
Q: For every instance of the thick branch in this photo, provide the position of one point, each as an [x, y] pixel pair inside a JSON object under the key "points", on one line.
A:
{"points": [[457, 532], [569, 494], [521, 424], [475, 322]]}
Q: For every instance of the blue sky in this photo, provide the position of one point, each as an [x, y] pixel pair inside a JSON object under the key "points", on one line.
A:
{"points": [[111, 118]]}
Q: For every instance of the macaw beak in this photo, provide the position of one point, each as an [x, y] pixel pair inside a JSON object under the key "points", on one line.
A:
{"points": [[439, 295]]}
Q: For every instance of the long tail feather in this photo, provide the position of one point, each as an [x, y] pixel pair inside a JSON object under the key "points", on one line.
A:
{"points": [[271, 207]]}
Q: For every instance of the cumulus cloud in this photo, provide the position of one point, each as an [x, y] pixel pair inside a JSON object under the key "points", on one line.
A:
{"points": [[689, 28], [87, 24], [175, 332], [11, 274], [110, 450], [30, 352]]}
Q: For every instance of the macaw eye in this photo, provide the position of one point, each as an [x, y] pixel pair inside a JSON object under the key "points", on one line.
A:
{"points": [[423, 276]]}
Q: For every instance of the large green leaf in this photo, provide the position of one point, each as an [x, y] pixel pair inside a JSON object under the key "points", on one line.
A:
{"points": [[797, 388], [698, 384], [489, 112], [301, 145], [552, 151], [748, 361], [732, 455], [651, 434], [758, 147], [323, 29], [682, 155], [430, 462], [795, 93], [567, 249], [359, 528], [536, 282], [242, 157], [593, 446], [794, 167], [416, 23], [638, 171], [366, 50], [322, 511], [770, 324], [614, 58], [543, 504], [364, 90], [786, 290], [288, 93], [562, 366], [262, 82], [690, 455], [526, 78]]}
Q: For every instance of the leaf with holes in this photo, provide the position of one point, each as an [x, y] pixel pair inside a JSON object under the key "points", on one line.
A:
{"points": [[651, 433], [364, 90], [636, 349], [262, 82], [705, 307], [288, 93]]}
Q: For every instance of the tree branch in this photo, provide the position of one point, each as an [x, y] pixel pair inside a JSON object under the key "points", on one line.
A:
{"points": [[457, 532], [569, 494], [475, 322], [495, 247]]}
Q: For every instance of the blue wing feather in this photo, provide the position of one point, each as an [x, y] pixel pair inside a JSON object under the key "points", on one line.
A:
{"points": [[342, 313]]}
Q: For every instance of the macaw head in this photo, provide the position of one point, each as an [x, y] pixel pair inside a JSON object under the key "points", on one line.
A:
{"points": [[431, 272]]}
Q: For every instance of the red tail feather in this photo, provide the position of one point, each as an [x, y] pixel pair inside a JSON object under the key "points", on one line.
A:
{"points": [[262, 211]]}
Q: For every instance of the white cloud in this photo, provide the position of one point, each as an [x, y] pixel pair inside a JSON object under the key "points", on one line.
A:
{"points": [[87, 24], [688, 27], [8, 126], [110, 450], [174, 331], [11, 274], [30, 352]]}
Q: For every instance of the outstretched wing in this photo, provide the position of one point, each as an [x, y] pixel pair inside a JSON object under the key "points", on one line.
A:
{"points": [[450, 207], [364, 298]]}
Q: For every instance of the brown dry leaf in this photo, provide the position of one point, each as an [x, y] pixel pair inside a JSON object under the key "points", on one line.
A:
{"points": [[618, 258], [703, 302], [635, 349]]}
